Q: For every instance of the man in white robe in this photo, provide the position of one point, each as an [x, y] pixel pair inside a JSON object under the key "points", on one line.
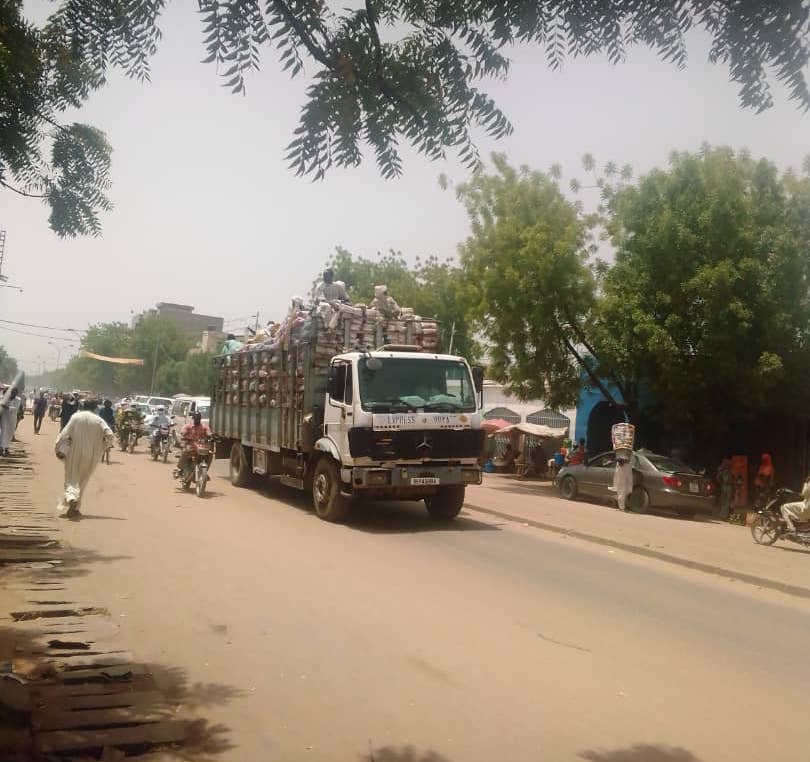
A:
{"points": [[9, 411], [623, 482], [80, 444]]}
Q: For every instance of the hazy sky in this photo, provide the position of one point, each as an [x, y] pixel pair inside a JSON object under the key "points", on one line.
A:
{"points": [[206, 212]]}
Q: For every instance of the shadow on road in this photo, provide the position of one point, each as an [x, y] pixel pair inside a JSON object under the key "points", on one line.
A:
{"points": [[76, 561], [641, 752], [412, 517], [402, 754], [157, 706], [98, 517], [380, 517]]}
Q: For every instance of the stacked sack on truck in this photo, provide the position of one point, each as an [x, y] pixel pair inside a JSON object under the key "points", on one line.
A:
{"points": [[254, 375]]}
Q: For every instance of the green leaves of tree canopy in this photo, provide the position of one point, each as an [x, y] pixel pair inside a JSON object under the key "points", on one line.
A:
{"points": [[704, 313], [42, 74], [119, 340], [707, 303], [383, 72], [526, 263], [8, 366]]}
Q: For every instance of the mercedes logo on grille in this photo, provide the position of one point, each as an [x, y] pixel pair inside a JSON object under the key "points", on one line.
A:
{"points": [[425, 446]]}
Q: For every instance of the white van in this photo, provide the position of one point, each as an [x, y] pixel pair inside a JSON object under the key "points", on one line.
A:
{"points": [[183, 407]]}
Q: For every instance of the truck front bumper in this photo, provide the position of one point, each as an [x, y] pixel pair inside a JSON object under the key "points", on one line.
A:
{"points": [[408, 480]]}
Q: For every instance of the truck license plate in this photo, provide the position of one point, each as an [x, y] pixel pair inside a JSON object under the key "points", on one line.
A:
{"points": [[694, 487], [419, 481]]}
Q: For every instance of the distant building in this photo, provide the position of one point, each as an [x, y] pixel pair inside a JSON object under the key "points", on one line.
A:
{"points": [[184, 318], [499, 403]]}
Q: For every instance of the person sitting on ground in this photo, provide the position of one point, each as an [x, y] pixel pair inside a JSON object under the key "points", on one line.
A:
{"points": [[798, 511], [509, 458]]}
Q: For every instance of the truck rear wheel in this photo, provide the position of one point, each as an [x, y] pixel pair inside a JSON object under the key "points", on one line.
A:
{"points": [[446, 503], [329, 504], [240, 471]]}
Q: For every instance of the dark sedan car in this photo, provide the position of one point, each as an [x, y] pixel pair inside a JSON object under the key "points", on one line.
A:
{"points": [[660, 483]]}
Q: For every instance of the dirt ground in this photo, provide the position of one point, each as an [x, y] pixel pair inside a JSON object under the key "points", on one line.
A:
{"points": [[394, 640]]}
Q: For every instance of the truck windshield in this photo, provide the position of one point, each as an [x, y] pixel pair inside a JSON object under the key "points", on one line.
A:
{"points": [[402, 383]]}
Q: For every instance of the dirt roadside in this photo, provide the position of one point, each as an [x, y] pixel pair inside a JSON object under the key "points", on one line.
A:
{"points": [[703, 545]]}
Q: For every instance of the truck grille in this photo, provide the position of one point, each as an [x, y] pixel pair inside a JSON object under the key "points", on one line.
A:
{"points": [[416, 445]]}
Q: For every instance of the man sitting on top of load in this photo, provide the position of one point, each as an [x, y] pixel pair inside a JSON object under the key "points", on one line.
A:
{"points": [[330, 290]]}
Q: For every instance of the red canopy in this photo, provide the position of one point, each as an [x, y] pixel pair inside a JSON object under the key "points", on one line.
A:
{"points": [[494, 424]]}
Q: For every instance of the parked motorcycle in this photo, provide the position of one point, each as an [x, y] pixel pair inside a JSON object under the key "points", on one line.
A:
{"points": [[195, 469], [159, 444], [769, 525]]}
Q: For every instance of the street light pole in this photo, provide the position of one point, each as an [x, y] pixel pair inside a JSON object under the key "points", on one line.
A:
{"points": [[58, 353]]}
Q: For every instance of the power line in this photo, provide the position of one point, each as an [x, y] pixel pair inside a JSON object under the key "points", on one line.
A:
{"points": [[39, 335], [47, 327]]}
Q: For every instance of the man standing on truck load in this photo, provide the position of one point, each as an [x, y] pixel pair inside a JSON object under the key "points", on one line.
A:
{"points": [[329, 291]]}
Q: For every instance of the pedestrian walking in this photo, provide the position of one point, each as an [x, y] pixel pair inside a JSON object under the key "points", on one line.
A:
{"points": [[40, 406], [80, 444], [70, 405], [623, 482], [8, 419], [725, 480]]}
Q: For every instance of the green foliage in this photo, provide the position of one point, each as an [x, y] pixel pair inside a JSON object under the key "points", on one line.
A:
{"points": [[383, 73], [432, 287], [706, 306], [8, 366], [528, 280], [704, 315], [43, 74], [151, 339]]}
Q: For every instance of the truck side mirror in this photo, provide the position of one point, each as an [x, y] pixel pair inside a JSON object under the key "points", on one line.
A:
{"points": [[478, 377]]}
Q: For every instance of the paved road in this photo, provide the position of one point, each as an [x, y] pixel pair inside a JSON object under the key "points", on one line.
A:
{"points": [[393, 640]]}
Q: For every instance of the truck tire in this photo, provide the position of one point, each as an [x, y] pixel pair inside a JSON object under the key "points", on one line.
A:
{"points": [[239, 469], [446, 503], [329, 504]]}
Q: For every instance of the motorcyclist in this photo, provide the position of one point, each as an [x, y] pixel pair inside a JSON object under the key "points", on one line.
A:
{"points": [[798, 511], [192, 434], [156, 422], [130, 419]]}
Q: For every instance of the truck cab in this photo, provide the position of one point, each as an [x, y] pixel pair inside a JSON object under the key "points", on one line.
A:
{"points": [[399, 424]]}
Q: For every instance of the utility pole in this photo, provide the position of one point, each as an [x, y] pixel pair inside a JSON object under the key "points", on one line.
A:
{"points": [[452, 336], [154, 367], [58, 353]]}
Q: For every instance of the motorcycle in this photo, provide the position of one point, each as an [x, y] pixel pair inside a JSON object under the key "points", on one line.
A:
{"points": [[53, 410], [159, 444], [770, 526], [195, 469], [127, 438]]}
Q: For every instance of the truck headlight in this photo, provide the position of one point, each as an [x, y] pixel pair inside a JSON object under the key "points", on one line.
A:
{"points": [[470, 475], [378, 478]]}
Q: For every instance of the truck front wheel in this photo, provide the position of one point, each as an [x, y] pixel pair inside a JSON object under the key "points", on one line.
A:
{"points": [[446, 503], [240, 471], [329, 504]]}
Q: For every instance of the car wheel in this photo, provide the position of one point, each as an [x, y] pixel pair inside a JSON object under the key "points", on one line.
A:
{"points": [[640, 500], [568, 488]]}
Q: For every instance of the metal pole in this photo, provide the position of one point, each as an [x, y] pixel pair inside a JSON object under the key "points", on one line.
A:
{"points": [[154, 368], [452, 337], [256, 328]]}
